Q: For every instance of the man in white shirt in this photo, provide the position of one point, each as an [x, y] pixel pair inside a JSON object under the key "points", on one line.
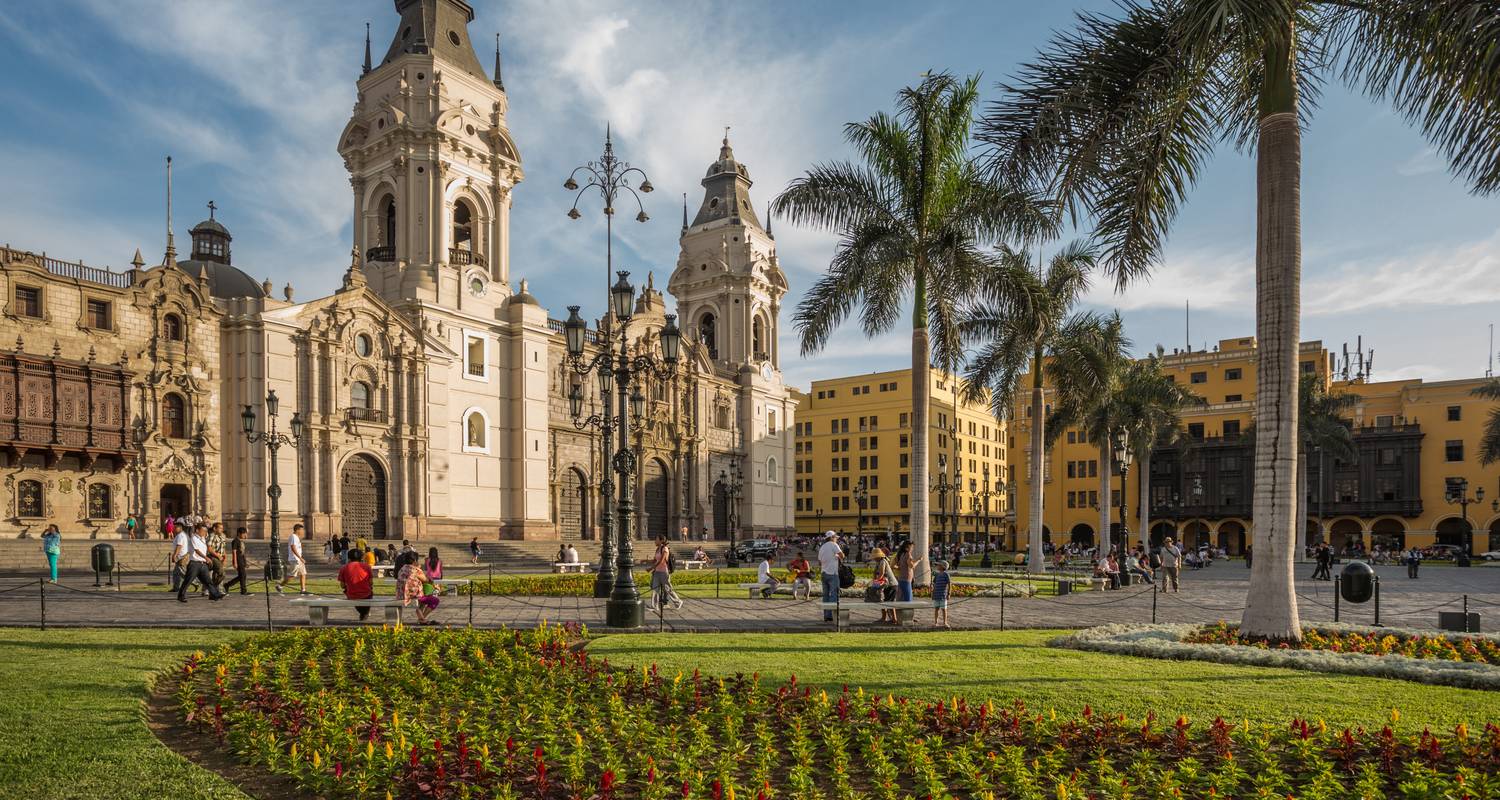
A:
{"points": [[764, 577], [572, 554], [180, 553], [830, 557], [197, 568], [296, 566], [1171, 565]]}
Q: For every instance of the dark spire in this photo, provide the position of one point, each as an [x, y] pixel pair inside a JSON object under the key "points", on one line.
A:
{"points": [[499, 82], [768, 220], [684, 211], [367, 47]]}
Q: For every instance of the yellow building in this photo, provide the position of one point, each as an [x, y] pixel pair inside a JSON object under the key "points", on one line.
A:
{"points": [[855, 432], [1415, 440]]}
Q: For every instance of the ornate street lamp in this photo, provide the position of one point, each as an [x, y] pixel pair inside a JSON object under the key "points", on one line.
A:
{"points": [[861, 495], [733, 483], [618, 368], [610, 177], [273, 442], [1123, 457], [1458, 494], [942, 487], [985, 493]]}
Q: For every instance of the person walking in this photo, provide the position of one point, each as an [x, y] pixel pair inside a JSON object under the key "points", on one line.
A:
{"points": [[218, 552], [130, 527], [168, 528], [1248, 553], [197, 568], [358, 583], [474, 550], [296, 564], [52, 549], [1171, 565], [1324, 559], [237, 560], [1413, 561], [940, 584], [661, 575], [830, 558], [181, 555]]}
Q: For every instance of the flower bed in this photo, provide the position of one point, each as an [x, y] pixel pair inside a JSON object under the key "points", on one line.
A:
{"points": [[1376, 642], [1463, 660], [496, 714]]}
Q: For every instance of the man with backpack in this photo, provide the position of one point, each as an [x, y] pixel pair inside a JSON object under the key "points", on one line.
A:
{"points": [[830, 558]]}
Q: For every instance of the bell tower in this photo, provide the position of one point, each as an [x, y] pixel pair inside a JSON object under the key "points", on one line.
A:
{"points": [[728, 283], [432, 163]]}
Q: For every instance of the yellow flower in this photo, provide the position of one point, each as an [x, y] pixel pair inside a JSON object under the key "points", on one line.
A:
{"points": [[1395, 715], [578, 738], [388, 753], [731, 791], [1062, 791], [483, 748], [292, 753], [369, 750], [1322, 726], [395, 719], [317, 760]]}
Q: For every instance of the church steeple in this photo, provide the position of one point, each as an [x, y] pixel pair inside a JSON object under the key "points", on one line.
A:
{"points": [[438, 27], [367, 49], [726, 193], [499, 82]]}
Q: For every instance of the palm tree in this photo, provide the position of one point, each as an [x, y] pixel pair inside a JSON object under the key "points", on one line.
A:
{"points": [[1015, 321], [1117, 118], [912, 218], [1322, 429], [1150, 412], [1489, 441], [1088, 368]]}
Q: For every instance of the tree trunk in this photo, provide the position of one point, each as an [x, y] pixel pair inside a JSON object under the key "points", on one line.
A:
{"points": [[1143, 506], [920, 392], [1271, 603], [1036, 466], [1104, 540]]}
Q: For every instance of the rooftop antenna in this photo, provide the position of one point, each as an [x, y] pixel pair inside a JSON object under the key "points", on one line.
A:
{"points": [[1344, 368], [1489, 371], [171, 257], [367, 48], [1187, 323], [1359, 351], [1370, 364]]}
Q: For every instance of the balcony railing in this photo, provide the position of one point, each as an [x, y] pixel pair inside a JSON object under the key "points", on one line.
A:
{"points": [[374, 415], [69, 269], [464, 257], [556, 326], [384, 252]]}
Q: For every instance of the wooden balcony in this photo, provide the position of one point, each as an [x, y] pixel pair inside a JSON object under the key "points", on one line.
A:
{"points": [[62, 408]]}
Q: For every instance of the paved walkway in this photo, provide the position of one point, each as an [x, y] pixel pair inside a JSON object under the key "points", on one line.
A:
{"points": [[1207, 596]]}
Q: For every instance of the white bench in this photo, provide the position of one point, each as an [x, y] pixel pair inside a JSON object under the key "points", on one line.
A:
{"points": [[905, 609], [756, 589], [380, 570], [694, 564], [317, 607], [570, 566], [442, 583]]}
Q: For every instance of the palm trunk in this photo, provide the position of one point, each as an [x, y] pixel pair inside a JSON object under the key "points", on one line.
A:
{"points": [[1104, 539], [920, 385], [1143, 506], [1036, 465], [1271, 603]]}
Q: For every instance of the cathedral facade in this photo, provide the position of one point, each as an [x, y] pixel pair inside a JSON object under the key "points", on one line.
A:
{"points": [[431, 390]]}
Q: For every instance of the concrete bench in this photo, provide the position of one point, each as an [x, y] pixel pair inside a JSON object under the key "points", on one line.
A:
{"points": [[905, 609], [756, 589], [381, 570], [841, 610], [317, 607], [570, 566], [693, 564], [442, 583]]}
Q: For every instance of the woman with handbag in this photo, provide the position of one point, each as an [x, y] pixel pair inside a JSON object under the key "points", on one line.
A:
{"points": [[883, 585]]}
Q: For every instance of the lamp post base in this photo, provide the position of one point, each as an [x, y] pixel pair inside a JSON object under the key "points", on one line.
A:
{"points": [[604, 583], [624, 613]]}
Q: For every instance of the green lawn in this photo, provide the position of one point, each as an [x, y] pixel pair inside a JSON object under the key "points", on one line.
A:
{"points": [[72, 725], [1010, 665]]}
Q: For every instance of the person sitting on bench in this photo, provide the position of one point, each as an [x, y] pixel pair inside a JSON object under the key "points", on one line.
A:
{"points": [[356, 579]]}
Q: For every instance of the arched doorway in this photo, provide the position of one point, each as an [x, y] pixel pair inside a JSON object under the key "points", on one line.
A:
{"points": [[1388, 535], [721, 511], [1451, 531], [1160, 531], [363, 497], [1081, 535], [572, 505], [655, 505], [1494, 535], [1345, 534], [176, 500], [1232, 538], [1195, 534]]}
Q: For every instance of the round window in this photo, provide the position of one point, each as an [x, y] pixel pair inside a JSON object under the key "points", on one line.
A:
{"points": [[421, 76], [453, 37], [469, 130], [380, 123], [362, 345], [713, 203], [476, 286]]}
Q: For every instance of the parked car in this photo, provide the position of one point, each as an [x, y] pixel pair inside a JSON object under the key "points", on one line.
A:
{"points": [[1493, 555], [755, 549], [1445, 552]]}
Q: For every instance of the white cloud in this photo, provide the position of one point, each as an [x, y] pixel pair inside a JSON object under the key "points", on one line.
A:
{"points": [[1460, 274], [1424, 161], [1210, 280]]}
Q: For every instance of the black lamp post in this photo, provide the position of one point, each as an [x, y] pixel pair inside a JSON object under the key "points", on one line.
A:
{"points": [[623, 609], [733, 482], [273, 442], [1123, 457], [942, 486], [819, 515], [985, 493], [861, 495], [1458, 493], [604, 422], [955, 546], [610, 177]]}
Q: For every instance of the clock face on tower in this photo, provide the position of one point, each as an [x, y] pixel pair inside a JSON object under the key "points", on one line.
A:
{"points": [[476, 286]]}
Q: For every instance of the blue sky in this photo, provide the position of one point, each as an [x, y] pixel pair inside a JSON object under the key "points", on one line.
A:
{"points": [[249, 97]]}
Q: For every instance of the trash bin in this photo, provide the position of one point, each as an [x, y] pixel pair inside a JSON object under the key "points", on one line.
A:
{"points": [[102, 557], [1064, 587], [1357, 582]]}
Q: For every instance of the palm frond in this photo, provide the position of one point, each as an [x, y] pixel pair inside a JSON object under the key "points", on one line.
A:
{"points": [[1489, 438]]}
